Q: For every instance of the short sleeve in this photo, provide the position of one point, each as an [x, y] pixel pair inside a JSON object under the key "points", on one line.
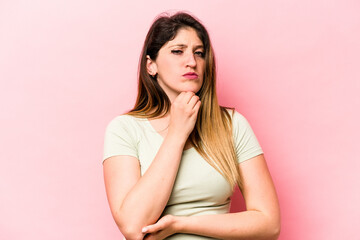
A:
{"points": [[245, 141], [120, 138]]}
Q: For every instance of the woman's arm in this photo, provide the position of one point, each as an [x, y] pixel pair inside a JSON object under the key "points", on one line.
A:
{"points": [[137, 201], [261, 220]]}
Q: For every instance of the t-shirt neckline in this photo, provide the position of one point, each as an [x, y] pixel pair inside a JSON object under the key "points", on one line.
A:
{"points": [[159, 135]]}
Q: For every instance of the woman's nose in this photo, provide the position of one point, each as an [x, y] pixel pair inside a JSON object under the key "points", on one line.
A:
{"points": [[190, 61]]}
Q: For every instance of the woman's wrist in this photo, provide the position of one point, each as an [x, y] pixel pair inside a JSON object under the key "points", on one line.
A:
{"points": [[179, 223], [178, 137]]}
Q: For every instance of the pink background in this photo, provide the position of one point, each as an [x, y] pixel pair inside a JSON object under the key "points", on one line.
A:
{"points": [[68, 67]]}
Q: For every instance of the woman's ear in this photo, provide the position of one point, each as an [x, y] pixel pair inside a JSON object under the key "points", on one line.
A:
{"points": [[151, 66]]}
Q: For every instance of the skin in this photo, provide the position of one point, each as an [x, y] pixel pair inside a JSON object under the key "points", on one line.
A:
{"points": [[125, 187], [261, 220], [181, 55]]}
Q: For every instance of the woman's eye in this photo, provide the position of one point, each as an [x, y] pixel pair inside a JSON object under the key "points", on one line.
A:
{"points": [[200, 54], [176, 51], [197, 53]]}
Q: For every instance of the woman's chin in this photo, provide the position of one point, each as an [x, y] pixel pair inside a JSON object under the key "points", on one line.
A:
{"points": [[191, 89]]}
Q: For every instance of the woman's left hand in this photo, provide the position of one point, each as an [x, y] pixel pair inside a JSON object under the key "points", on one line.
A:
{"points": [[166, 226]]}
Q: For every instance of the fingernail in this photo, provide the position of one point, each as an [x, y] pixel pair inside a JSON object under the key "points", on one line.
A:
{"points": [[144, 229]]}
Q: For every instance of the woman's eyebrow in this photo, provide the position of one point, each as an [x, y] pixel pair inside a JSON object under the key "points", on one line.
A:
{"points": [[185, 46]]}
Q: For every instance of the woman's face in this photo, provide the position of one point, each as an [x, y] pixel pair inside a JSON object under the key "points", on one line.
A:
{"points": [[177, 58]]}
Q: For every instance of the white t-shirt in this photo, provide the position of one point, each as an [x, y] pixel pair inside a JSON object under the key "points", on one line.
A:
{"points": [[198, 189]]}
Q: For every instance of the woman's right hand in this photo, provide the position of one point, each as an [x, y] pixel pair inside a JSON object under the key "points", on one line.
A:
{"points": [[183, 114]]}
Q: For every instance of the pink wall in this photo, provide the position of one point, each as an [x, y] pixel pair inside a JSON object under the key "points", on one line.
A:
{"points": [[68, 67]]}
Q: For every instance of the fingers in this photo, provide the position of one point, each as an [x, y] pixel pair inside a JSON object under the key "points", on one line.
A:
{"points": [[152, 228], [193, 101], [184, 110], [187, 98], [197, 106], [154, 236], [157, 235], [162, 224], [180, 97]]}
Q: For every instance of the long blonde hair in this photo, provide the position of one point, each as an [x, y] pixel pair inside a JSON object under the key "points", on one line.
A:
{"points": [[212, 134]]}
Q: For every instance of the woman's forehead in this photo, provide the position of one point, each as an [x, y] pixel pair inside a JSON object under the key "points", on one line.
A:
{"points": [[185, 37]]}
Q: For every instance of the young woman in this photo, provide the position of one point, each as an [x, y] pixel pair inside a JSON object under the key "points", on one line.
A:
{"points": [[172, 162]]}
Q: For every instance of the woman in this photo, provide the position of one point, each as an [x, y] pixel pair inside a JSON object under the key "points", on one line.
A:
{"points": [[171, 163]]}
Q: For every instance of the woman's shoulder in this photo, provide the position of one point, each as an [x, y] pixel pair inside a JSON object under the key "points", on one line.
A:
{"points": [[121, 119], [235, 115], [238, 121], [124, 121]]}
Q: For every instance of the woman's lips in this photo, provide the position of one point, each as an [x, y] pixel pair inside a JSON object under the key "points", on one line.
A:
{"points": [[190, 75]]}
